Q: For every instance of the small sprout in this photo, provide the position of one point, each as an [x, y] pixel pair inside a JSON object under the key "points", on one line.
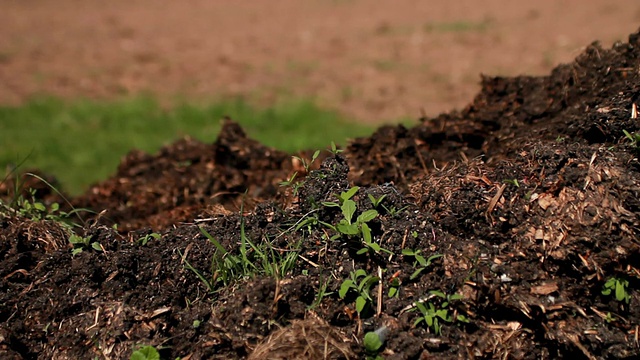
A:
{"points": [[83, 243], [375, 202], [347, 226], [321, 294], [634, 138], [609, 318], [617, 286], [359, 283], [145, 239], [420, 262], [393, 211], [196, 324], [512, 182], [433, 315], [394, 285], [334, 149]]}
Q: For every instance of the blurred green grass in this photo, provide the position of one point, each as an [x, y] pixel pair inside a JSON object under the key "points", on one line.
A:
{"points": [[82, 141]]}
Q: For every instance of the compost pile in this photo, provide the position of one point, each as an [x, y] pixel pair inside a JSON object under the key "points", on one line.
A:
{"points": [[525, 204]]}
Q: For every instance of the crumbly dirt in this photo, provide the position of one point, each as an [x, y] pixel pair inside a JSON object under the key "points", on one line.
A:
{"points": [[529, 193], [377, 62]]}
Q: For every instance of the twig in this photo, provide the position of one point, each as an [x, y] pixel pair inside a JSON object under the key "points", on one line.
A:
{"points": [[494, 200], [379, 307]]}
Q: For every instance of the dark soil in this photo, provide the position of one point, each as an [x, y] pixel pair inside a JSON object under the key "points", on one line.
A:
{"points": [[530, 193]]}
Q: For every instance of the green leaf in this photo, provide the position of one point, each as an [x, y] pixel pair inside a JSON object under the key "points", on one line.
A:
{"points": [[443, 314], [361, 302], [362, 251], [315, 155], [418, 321], [620, 292], [416, 273], [349, 193], [611, 283], [367, 216], [436, 326], [366, 233], [330, 204], [368, 282], [372, 342], [421, 260], [75, 239], [375, 247], [344, 288], [433, 257], [145, 353], [408, 252], [429, 320], [438, 293], [421, 308], [96, 246], [348, 209], [76, 251], [39, 206], [393, 291], [456, 297], [347, 229], [360, 272]]}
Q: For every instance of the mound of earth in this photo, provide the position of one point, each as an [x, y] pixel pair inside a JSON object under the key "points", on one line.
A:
{"points": [[506, 230]]}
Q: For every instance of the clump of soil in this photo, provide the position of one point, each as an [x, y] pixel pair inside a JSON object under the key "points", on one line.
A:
{"points": [[528, 197]]}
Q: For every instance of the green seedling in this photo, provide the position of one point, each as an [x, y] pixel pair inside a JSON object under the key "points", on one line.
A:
{"points": [[81, 243], [394, 288], [393, 211], [360, 284], [334, 149], [305, 164], [512, 182], [296, 185], [432, 316], [309, 221], [342, 197], [618, 287], [358, 228], [35, 210], [290, 182], [322, 293], [145, 239], [609, 318], [420, 263], [634, 138], [145, 353], [376, 202]]}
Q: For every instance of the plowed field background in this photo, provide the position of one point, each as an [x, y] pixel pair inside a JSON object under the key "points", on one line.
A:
{"points": [[375, 60]]}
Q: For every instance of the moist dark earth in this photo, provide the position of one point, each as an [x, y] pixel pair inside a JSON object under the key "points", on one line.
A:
{"points": [[529, 194]]}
